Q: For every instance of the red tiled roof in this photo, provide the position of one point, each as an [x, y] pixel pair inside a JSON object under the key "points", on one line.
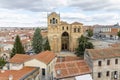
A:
{"points": [[109, 33], [45, 57], [71, 68], [114, 30], [103, 53], [17, 74], [68, 58], [115, 45], [20, 58]]}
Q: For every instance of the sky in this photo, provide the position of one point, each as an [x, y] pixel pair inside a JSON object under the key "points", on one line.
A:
{"points": [[33, 13]]}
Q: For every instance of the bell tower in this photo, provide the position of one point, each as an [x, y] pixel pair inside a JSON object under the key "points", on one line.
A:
{"points": [[53, 19]]}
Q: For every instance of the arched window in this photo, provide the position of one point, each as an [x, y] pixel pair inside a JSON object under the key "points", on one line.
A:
{"points": [[74, 29], [54, 21], [67, 27], [50, 21], [78, 29], [63, 28]]}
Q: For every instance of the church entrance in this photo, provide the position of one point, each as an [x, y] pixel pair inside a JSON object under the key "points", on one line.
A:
{"points": [[65, 41]]}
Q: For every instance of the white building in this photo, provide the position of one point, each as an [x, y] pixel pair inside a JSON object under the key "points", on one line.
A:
{"points": [[104, 63], [44, 60], [100, 28]]}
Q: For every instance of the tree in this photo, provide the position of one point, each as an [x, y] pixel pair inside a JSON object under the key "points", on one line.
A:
{"points": [[17, 48], [37, 41], [2, 63], [118, 34], [89, 45], [90, 33], [82, 45], [46, 45]]}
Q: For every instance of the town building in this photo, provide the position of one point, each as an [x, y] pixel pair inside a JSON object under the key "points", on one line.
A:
{"points": [[62, 35], [104, 63], [26, 73], [44, 60], [106, 31], [72, 70]]}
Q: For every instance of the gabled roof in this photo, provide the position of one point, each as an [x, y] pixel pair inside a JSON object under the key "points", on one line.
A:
{"points": [[20, 58], [46, 57], [71, 69], [53, 13], [17, 74], [77, 23], [103, 53], [64, 23]]}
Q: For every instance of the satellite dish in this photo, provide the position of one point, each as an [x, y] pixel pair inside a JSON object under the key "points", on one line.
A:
{"points": [[58, 72]]}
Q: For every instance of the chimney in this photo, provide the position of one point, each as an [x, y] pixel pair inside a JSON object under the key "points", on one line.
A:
{"points": [[10, 77], [2, 71]]}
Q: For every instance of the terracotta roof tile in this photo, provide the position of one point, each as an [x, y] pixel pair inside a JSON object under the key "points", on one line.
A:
{"points": [[115, 45], [104, 53], [20, 58], [68, 58], [17, 74], [45, 57], [59, 66], [71, 68]]}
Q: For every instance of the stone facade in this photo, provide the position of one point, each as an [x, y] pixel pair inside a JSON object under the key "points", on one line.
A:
{"points": [[103, 68], [63, 36]]}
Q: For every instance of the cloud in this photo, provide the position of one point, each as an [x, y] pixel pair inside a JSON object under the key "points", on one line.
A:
{"points": [[90, 5], [99, 18], [32, 5], [34, 12], [50, 5], [20, 19]]}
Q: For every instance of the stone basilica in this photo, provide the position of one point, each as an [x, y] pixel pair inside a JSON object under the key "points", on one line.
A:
{"points": [[62, 35]]}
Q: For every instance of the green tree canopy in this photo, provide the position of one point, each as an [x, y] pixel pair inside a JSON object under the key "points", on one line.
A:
{"points": [[37, 41], [17, 48], [118, 34], [90, 33], [82, 45], [2, 62], [46, 45]]}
